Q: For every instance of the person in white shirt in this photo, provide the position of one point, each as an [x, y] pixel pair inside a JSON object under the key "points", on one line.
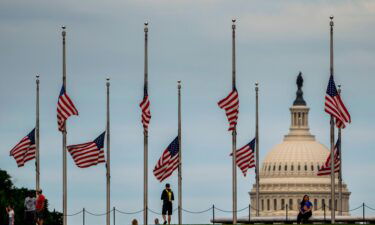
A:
{"points": [[30, 202], [10, 212]]}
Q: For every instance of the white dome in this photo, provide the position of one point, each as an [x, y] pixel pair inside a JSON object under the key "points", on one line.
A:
{"points": [[289, 170], [294, 158]]}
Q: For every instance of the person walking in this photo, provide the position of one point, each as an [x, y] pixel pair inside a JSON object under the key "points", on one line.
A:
{"points": [[30, 209], [10, 212], [39, 207], [304, 210], [167, 197]]}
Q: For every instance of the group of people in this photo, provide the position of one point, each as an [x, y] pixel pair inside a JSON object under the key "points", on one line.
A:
{"points": [[34, 209]]}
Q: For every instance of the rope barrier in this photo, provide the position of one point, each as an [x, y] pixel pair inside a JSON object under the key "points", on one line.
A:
{"points": [[231, 211], [197, 212], [355, 208], [74, 214], [129, 213], [99, 214], [369, 207], [154, 211]]}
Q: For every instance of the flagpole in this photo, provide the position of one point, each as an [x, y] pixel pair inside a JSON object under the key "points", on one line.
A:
{"points": [[332, 131], [108, 164], [257, 148], [37, 141], [145, 136], [340, 158], [179, 156], [65, 199], [234, 133]]}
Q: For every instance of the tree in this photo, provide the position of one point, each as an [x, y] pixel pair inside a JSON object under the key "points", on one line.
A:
{"points": [[10, 195]]}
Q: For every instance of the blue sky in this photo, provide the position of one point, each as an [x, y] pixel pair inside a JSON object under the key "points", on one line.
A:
{"points": [[188, 41]]}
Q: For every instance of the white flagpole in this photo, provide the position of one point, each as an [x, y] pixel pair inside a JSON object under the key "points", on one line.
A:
{"points": [[37, 140], [332, 131], [179, 156], [145, 136], [257, 148], [234, 133], [340, 158], [108, 164], [65, 198]]}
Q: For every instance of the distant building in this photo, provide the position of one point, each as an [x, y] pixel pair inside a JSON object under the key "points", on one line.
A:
{"points": [[289, 170]]}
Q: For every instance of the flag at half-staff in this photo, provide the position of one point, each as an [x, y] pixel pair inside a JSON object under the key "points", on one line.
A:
{"points": [[88, 154], [145, 107], [25, 150], [326, 168], [245, 157], [168, 162], [65, 109], [231, 104], [334, 105]]}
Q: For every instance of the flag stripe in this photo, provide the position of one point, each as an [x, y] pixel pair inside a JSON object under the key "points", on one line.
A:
{"points": [[25, 150], [168, 162], [88, 154], [65, 109], [231, 105]]}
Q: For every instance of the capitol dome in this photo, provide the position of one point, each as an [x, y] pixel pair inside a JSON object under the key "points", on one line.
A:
{"points": [[289, 170]]}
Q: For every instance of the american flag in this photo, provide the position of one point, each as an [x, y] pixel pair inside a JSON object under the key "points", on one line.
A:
{"points": [[231, 104], [168, 162], [146, 113], [25, 149], [88, 154], [65, 109], [245, 157], [334, 105], [326, 168]]}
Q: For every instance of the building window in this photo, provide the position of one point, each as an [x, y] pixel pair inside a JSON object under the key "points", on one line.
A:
{"points": [[279, 167], [269, 168], [292, 168], [315, 204], [335, 204], [282, 204], [286, 167], [305, 167], [268, 205], [312, 168], [330, 204], [299, 167], [323, 203], [262, 205], [290, 204], [274, 167], [275, 204]]}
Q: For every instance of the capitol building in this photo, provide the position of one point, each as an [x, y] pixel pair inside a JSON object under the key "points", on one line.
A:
{"points": [[289, 170]]}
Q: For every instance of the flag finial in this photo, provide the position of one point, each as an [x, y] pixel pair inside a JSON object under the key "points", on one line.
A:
{"points": [[63, 32], [331, 23], [146, 26], [257, 86], [179, 84], [107, 79]]}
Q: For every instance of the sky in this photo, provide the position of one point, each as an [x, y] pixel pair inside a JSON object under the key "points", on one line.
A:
{"points": [[188, 41]]}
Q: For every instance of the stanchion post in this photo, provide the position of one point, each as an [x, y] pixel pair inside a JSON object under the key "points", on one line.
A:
{"points": [[286, 213], [249, 212], [83, 216], [114, 215], [363, 213], [213, 214]]}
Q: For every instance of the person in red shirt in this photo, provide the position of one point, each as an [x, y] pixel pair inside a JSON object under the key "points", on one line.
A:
{"points": [[39, 207]]}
